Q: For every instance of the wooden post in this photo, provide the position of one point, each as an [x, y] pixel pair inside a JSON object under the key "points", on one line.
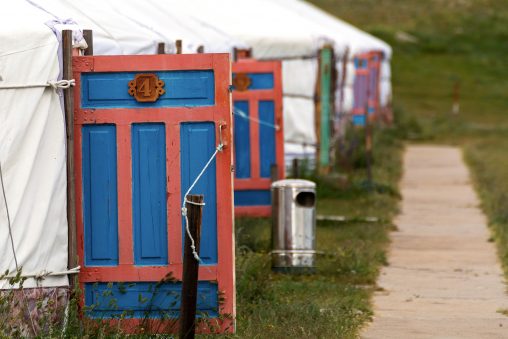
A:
{"points": [[190, 269], [88, 35], [295, 169], [241, 53], [69, 128], [178, 44], [324, 108], [201, 49], [161, 48], [368, 147], [274, 172], [456, 98]]}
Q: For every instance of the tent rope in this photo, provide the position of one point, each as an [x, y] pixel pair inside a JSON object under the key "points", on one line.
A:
{"points": [[13, 248], [43, 274], [51, 83], [219, 148], [244, 115]]}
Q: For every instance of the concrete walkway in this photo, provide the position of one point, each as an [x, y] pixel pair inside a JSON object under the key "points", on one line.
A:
{"points": [[444, 279]]}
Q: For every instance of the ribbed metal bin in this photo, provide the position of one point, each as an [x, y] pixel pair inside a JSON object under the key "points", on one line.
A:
{"points": [[293, 226]]}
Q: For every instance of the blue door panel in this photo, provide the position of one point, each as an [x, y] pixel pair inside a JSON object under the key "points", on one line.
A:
{"points": [[197, 144], [266, 137], [146, 299], [253, 198], [260, 80], [149, 194], [242, 139], [100, 195], [182, 88], [359, 120]]}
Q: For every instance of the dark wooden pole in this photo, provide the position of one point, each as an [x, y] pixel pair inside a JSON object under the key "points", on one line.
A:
{"points": [[368, 146], [456, 98], [178, 44], [342, 120], [190, 269], [69, 128], [295, 168], [161, 48], [241, 53], [274, 172], [88, 35]]}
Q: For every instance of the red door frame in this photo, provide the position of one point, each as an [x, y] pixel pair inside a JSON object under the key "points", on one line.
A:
{"points": [[223, 272], [255, 182]]}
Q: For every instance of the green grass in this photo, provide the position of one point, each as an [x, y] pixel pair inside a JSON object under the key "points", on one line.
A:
{"points": [[457, 41], [335, 301]]}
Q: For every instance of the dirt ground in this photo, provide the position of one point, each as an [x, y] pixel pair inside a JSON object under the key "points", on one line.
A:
{"points": [[444, 279]]}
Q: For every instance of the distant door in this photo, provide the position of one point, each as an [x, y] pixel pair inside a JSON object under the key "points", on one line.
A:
{"points": [[145, 126], [360, 89], [374, 80], [258, 133]]}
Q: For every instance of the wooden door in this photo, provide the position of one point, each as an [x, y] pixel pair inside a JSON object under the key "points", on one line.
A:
{"points": [[258, 133], [145, 126], [360, 89]]}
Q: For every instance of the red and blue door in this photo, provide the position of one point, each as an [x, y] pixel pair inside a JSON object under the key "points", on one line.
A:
{"points": [[144, 128], [258, 134], [366, 86], [360, 89], [374, 79]]}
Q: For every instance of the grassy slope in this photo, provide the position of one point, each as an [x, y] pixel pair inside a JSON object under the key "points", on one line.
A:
{"points": [[465, 40]]}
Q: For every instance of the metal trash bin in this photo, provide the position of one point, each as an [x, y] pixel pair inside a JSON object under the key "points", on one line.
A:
{"points": [[293, 226]]}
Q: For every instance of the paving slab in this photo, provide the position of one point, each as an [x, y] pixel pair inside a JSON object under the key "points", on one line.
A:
{"points": [[444, 279]]}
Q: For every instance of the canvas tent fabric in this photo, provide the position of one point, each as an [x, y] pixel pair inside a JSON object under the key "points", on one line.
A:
{"points": [[346, 38], [133, 27], [32, 147], [113, 33], [272, 31]]}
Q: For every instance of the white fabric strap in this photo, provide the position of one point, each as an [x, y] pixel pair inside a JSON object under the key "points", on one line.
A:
{"points": [[51, 83]]}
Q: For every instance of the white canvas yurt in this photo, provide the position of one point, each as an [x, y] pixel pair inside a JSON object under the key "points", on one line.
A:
{"points": [[33, 217]]}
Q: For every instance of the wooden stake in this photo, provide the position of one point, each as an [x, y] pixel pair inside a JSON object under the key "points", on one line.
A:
{"points": [[190, 269], [274, 172], [88, 35], [342, 119], [69, 127], [241, 53], [161, 48], [456, 98], [178, 44], [295, 168], [368, 147]]}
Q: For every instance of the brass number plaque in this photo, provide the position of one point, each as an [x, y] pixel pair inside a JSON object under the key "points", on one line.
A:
{"points": [[146, 87], [241, 82]]}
